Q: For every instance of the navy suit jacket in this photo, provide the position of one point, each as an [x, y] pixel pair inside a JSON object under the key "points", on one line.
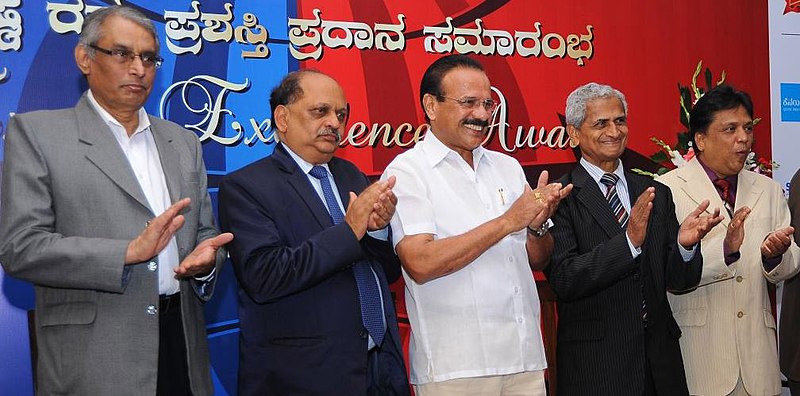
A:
{"points": [[300, 317], [603, 347]]}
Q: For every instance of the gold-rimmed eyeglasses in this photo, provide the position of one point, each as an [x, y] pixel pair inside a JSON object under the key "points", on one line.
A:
{"points": [[471, 103], [123, 56]]}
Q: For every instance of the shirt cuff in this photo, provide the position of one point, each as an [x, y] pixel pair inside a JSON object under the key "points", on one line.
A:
{"points": [[207, 277], [382, 234], [635, 252], [687, 254]]}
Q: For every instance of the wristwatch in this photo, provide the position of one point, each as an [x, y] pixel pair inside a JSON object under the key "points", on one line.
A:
{"points": [[542, 230]]}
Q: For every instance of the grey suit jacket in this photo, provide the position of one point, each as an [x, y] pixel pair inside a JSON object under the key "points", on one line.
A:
{"points": [[70, 206]]}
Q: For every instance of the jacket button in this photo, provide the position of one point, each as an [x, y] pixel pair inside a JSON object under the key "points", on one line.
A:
{"points": [[740, 314], [152, 310], [739, 279], [152, 266]]}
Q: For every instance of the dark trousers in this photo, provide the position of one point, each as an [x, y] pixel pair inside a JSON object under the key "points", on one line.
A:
{"points": [[173, 371], [794, 388]]}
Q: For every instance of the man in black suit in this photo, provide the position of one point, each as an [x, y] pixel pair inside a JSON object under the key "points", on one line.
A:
{"points": [[614, 262], [313, 260]]}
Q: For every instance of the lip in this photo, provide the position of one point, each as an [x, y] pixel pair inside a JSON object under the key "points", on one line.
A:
{"points": [[328, 137], [134, 87], [475, 131]]}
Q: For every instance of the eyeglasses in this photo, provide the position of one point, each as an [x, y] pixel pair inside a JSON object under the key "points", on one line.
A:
{"points": [[123, 56], [471, 103]]}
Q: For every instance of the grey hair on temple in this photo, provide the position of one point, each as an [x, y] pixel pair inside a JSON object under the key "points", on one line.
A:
{"points": [[92, 29], [575, 113]]}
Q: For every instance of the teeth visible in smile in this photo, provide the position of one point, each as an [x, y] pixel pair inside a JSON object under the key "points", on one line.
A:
{"points": [[474, 127]]}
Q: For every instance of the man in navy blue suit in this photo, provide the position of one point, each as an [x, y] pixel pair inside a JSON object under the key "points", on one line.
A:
{"points": [[312, 257]]}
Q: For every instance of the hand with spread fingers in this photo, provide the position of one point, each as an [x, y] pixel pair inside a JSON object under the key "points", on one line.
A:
{"points": [[201, 260], [156, 234], [735, 234], [640, 217], [776, 243], [696, 225]]}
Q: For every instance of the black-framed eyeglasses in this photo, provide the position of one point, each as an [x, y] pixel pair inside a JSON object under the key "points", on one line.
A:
{"points": [[123, 56], [471, 103]]}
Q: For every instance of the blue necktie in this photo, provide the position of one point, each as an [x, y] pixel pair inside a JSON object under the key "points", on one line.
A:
{"points": [[368, 292]]}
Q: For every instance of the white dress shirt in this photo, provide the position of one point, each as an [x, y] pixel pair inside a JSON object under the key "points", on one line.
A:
{"points": [[142, 154], [484, 318], [622, 191]]}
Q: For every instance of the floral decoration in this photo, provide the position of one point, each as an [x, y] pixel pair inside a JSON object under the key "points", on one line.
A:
{"points": [[671, 157]]}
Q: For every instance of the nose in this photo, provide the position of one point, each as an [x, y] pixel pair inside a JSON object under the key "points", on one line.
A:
{"points": [[332, 120], [481, 112], [136, 67], [742, 135], [615, 130]]}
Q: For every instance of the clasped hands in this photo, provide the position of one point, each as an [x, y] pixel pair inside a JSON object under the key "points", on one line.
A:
{"points": [[373, 208], [157, 233], [535, 206]]}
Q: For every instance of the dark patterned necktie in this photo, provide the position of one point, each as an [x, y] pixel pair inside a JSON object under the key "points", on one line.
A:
{"points": [[368, 292], [724, 189], [610, 181]]}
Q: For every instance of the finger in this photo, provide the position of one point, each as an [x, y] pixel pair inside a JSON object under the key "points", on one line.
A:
{"points": [[391, 181], [701, 208], [542, 179], [565, 191], [219, 240], [392, 198]]}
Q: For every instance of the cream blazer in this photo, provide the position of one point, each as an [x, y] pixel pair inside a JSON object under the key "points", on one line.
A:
{"points": [[727, 321]]}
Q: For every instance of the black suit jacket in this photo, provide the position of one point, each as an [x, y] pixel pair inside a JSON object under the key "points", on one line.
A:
{"points": [[603, 347], [299, 312]]}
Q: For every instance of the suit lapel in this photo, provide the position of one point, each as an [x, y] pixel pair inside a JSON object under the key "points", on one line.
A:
{"points": [[169, 162], [747, 193], [299, 181], [103, 150], [594, 201], [343, 184], [698, 187]]}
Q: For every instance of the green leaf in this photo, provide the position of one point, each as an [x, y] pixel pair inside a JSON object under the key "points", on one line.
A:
{"points": [[686, 104], [683, 142], [659, 157], [663, 170]]}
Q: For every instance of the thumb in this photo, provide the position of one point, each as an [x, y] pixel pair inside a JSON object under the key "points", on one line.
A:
{"points": [[542, 179], [353, 197]]}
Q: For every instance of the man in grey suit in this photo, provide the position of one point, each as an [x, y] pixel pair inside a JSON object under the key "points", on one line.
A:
{"points": [[105, 211]]}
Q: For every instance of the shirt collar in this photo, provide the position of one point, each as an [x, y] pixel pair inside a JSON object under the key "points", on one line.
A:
{"points": [[144, 120], [435, 151], [596, 173], [304, 165], [732, 179]]}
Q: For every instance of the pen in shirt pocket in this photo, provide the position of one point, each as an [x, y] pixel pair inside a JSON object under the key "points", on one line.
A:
{"points": [[502, 197]]}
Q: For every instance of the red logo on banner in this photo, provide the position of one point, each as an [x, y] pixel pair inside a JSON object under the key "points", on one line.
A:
{"points": [[792, 6]]}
